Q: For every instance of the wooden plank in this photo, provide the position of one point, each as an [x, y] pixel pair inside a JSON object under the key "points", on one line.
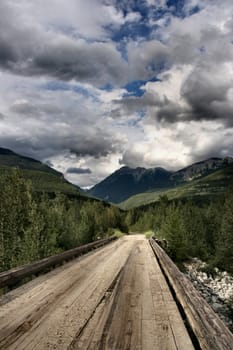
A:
{"points": [[168, 324], [14, 275], [209, 329]]}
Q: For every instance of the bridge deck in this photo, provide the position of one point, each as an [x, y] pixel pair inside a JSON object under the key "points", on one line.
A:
{"points": [[113, 298]]}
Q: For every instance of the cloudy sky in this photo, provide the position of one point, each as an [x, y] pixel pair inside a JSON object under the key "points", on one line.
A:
{"points": [[90, 85]]}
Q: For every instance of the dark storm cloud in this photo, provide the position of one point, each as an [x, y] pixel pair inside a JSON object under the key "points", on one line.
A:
{"points": [[28, 49], [95, 63], [169, 112], [57, 122], [96, 144], [206, 91], [43, 142], [78, 171], [130, 104], [7, 54], [162, 109]]}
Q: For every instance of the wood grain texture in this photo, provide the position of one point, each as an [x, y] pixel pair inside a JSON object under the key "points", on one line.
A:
{"points": [[14, 275], [209, 329], [114, 298]]}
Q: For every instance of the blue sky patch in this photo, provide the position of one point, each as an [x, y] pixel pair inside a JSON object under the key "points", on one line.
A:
{"points": [[132, 30], [177, 7], [107, 87], [133, 6], [134, 88]]}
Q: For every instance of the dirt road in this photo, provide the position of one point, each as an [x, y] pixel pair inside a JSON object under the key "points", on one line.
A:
{"points": [[113, 298]]}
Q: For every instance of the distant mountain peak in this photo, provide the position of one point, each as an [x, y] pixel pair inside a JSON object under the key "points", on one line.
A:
{"points": [[201, 168], [126, 182]]}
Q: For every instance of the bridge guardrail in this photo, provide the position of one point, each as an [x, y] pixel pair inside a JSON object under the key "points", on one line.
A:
{"points": [[209, 329], [15, 275]]}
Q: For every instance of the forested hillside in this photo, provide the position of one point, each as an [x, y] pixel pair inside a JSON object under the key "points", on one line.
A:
{"points": [[42, 177], [191, 228], [35, 225], [206, 188], [125, 182], [137, 186]]}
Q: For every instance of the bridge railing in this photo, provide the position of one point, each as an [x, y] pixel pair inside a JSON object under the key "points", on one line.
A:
{"points": [[15, 275], [209, 330]]}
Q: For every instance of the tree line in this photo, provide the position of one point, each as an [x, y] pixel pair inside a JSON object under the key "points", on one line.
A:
{"points": [[192, 229], [36, 225]]}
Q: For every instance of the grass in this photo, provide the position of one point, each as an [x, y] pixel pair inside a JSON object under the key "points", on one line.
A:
{"points": [[149, 234], [118, 233]]}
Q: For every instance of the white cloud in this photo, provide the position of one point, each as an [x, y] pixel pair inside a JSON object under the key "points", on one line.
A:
{"points": [[174, 148], [146, 58], [58, 54], [170, 83]]}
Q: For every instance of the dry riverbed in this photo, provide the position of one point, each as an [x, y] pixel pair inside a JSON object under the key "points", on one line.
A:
{"points": [[217, 289]]}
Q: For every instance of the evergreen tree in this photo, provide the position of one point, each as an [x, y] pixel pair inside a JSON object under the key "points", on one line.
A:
{"points": [[173, 230], [224, 253], [15, 217]]}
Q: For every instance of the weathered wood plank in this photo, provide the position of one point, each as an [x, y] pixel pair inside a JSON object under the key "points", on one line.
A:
{"points": [[10, 277], [209, 329]]}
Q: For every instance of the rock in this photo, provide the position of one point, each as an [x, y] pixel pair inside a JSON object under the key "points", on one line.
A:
{"points": [[204, 276], [214, 299], [216, 290], [217, 307]]}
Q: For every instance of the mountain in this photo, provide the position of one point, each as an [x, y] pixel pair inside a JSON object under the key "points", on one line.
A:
{"points": [[200, 169], [204, 188], [43, 178], [12, 159], [127, 182]]}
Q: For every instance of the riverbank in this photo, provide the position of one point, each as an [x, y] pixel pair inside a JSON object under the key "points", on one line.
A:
{"points": [[216, 289]]}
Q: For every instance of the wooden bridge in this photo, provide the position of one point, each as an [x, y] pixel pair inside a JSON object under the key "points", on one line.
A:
{"points": [[126, 294]]}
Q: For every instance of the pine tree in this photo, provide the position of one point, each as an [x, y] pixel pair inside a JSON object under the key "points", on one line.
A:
{"points": [[172, 229], [224, 249], [15, 211]]}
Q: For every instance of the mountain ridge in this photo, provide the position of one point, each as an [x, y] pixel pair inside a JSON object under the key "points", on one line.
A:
{"points": [[42, 177], [126, 182], [122, 183], [205, 188], [24, 162]]}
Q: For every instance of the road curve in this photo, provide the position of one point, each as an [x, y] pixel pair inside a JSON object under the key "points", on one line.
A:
{"points": [[115, 298]]}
